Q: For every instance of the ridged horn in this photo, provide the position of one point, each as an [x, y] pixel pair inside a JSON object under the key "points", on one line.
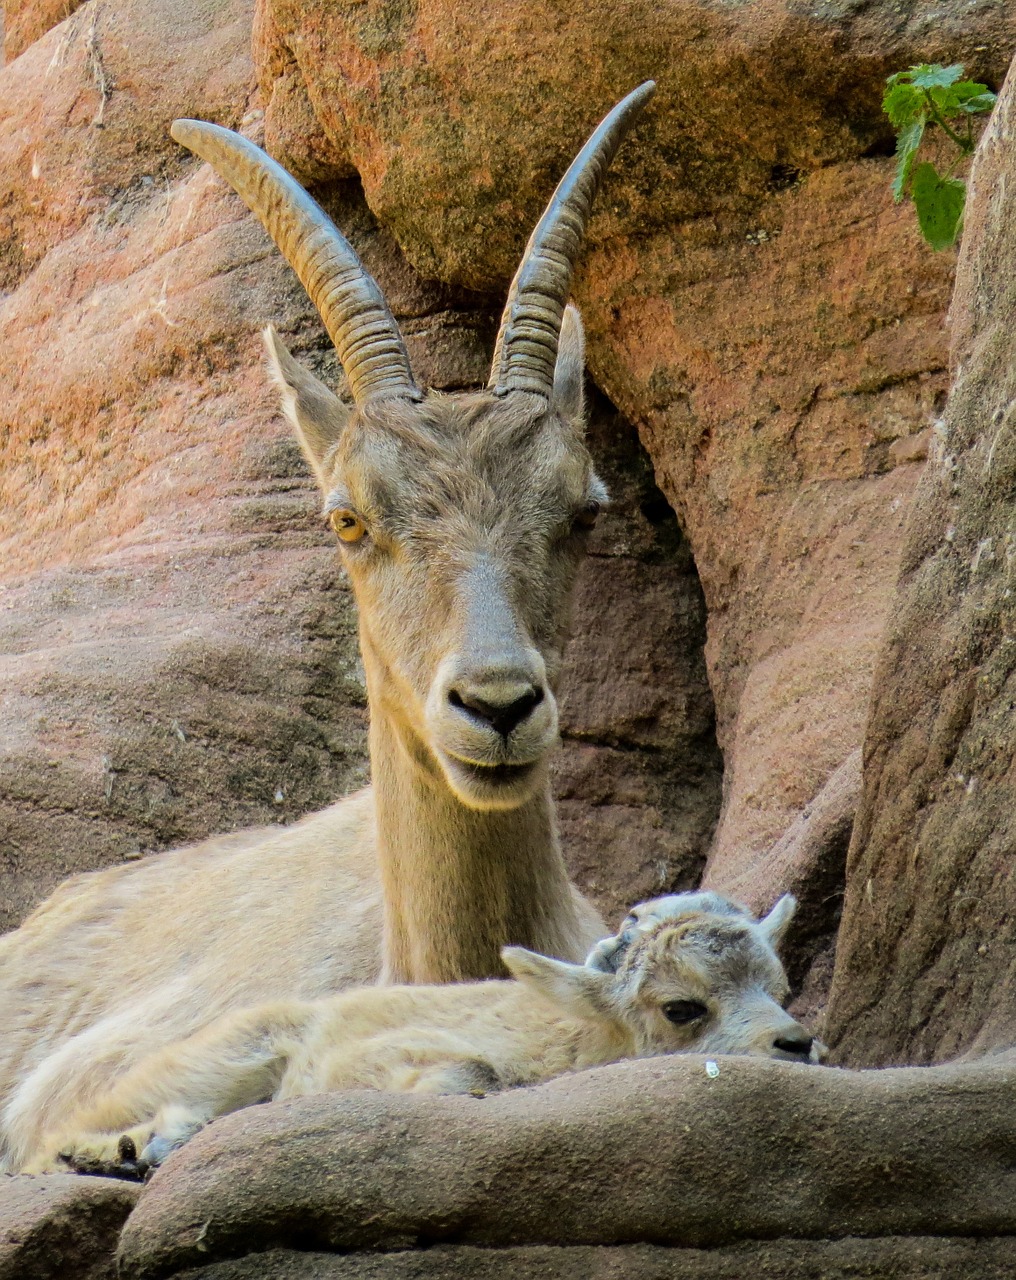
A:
{"points": [[526, 349], [366, 337]]}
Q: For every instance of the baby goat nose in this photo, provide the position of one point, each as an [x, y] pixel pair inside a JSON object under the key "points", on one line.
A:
{"points": [[799, 1043], [502, 711]]}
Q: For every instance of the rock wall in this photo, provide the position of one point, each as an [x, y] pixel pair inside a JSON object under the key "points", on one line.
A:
{"points": [[927, 964], [177, 643]]}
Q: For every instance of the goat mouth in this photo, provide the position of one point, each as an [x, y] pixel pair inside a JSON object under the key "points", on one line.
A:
{"points": [[490, 786], [496, 775], [612, 961]]}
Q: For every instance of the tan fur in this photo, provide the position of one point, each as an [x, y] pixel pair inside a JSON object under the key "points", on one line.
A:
{"points": [[475, 508], [474, 1037]]}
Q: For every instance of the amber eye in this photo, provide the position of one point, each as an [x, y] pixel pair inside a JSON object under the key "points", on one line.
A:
{"points": [[586, 517], [682, 1011], [347, 525]]}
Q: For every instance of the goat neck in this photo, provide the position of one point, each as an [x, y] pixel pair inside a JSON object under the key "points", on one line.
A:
{"points": [[458, 880]]}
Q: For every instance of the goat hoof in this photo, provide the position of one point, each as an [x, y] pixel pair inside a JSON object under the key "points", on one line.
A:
{"points": [[124, 1167]]}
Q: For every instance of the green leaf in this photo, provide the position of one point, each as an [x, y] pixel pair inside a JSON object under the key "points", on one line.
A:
{"points": [[903, 103], [906, 147], [939, 202], [977, 102], [971, 89], [934, 75], [923, 95], [955, 99]]}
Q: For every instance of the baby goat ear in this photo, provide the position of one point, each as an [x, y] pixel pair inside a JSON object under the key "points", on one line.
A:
{"points": [[774, 925], [317, 414], [580, 992], [569, 372]]}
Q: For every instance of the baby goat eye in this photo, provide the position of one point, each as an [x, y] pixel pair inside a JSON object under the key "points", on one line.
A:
{"points": [[347, 525], [682, 1011], [586, 516]]}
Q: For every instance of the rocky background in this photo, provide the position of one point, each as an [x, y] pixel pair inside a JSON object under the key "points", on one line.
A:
{"points": [[772, 633]]}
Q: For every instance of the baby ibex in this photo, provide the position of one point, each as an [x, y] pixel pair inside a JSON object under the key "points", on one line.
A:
{"points": [[461, 521], [691, 973]]}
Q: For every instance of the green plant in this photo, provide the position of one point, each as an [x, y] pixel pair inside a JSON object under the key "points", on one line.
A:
{"points": [[923, 96]]}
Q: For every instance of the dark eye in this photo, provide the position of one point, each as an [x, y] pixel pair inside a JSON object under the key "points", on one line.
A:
{"points": [[585, 518], [682, 1011]]}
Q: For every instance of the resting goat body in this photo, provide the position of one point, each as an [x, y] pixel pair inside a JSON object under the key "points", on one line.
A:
{"points": [[691, 980], [461, 522]]}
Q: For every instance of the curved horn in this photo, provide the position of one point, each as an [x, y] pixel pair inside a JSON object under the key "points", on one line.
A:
{"points": [[366, 338], [526, 349]]}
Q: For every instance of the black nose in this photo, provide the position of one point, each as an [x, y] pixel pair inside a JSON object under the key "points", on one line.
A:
{"points": [[501, 716], [801, 1045]]}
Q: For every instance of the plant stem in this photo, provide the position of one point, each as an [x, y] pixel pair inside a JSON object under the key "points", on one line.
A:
{"points": [[952, 168], [965, 147]]}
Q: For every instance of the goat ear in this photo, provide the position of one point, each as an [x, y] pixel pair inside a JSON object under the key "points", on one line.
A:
{"points": [[774, 925], [578, 991], [317, 414], [569, 372]]}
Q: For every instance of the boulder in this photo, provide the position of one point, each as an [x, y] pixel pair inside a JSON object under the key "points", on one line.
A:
{"points": [[926, 967], [53, 1228], [658, 1152], [928, 1258]]}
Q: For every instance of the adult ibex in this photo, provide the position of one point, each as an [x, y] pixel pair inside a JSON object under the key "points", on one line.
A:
{"points": [[461, 522]]}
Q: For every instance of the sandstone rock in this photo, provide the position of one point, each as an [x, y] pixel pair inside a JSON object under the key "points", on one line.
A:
{"points": [[653, 1151], [485, 103], [86, 114], [755, 302], [157, 525], [815, 844], [925, 1258], [927, 967], [52, 1228], [638, 779], [24, 21]]}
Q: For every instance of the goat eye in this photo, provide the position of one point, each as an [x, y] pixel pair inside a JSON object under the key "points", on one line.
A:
{"points": [[586, 517], [682, 1011], [347, 525]]}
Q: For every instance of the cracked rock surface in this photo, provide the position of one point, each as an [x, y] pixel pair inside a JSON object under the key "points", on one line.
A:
{"points": [[927, 956]]}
